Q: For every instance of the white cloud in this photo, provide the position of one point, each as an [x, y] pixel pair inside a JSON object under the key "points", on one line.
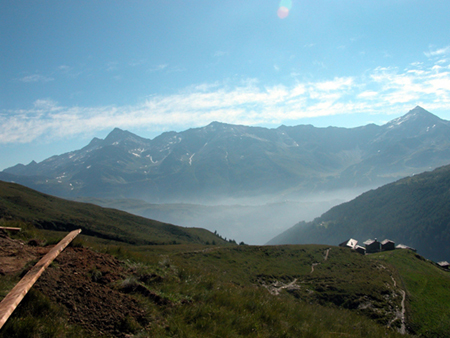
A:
{"points": [[220, 53], [368, 95], [64, 68], [438, 52], [36, 78], [112, 66], [158, 68], [335, 84], [383, 89]]}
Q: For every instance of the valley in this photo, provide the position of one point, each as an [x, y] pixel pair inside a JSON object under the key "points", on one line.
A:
{"points": [[247, 183]]}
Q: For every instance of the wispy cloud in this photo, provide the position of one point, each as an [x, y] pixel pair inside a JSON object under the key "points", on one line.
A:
{"points": [[112, 66], [36, 78], [158, 68], [438, 52], [383, 89], [220, 53]]}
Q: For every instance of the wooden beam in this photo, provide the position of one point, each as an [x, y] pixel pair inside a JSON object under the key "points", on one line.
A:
{"points": [[15, 296], [10, 229]]}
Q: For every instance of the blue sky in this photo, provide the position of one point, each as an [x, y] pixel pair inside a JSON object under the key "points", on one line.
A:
{"points": [[74, 70]]}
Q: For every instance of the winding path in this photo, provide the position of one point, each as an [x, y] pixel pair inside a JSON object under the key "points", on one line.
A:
{"points": [[401, 316], [325, 257]]}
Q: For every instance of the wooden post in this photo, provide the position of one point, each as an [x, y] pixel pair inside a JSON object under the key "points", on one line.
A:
{"points": [[10, 229], [15, 296]]}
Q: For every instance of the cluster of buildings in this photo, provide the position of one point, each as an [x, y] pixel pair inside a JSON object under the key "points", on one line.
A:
{"points": [[373, 245]]}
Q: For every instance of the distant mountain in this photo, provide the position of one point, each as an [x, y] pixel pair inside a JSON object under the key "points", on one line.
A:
{"points": [[414, 211], [48, 212], [207, 164]]}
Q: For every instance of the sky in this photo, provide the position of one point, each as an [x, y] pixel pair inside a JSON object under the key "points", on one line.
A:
{"points": [[72, 70]]}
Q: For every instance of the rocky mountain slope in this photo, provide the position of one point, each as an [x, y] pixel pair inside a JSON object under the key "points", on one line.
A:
{"points": [[231, 161], [414, 211]]}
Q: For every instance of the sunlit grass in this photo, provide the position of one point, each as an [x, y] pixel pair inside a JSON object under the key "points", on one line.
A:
{"points": [[428, 292]]}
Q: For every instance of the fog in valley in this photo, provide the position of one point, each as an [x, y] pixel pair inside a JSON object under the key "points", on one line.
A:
{"points": [[253, 221]]}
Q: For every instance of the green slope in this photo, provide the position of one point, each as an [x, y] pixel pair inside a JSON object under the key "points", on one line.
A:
{"points": [[249, 291], [414, 211], [266, 291], [52, 213], [428, 294]]}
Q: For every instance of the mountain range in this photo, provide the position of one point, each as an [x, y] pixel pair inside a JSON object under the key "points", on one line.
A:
{"points": [[223, 161], [414, 211]]}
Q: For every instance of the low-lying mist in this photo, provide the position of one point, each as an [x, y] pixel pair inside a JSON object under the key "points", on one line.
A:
{"points": [[252, 221]]}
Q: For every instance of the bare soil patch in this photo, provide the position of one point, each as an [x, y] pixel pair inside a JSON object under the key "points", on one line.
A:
{"points": [[84, 282]]}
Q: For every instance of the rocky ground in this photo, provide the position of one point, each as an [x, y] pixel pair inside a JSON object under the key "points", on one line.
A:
{"points": [[84, 282]]}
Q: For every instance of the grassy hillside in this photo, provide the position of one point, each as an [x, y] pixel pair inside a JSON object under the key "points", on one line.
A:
{"points": [[414, 211], [52, 213], [191, 290], [428, 294], [235, 291]]}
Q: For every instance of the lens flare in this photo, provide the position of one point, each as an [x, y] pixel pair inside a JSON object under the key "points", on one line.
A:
{"points": [[282, 12], [286, 3]]}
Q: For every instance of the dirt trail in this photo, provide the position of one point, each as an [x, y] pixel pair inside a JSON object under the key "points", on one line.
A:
{"points": [[276, 287], [325, 257], [402, 318], [326, 254], [401, 314]]}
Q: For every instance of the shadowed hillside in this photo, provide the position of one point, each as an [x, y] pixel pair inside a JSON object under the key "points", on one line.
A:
{"points": [[52, 213], [414, 211]]}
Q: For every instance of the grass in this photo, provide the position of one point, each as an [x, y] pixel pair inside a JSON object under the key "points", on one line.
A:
{"points": [[428, 292], [219, 292]]}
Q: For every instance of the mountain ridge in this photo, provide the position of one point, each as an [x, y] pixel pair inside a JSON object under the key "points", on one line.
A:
{"points": [[222, 160]]}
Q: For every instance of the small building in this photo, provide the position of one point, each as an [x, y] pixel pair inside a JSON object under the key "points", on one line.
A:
{"points": [[372, 246], [351, 243], [444, 265], [360, 249], [387, 245], [403, 246]]}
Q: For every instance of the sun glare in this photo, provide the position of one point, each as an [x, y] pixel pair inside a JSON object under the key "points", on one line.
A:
{"points": [[283, 12], [284, 8]]}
